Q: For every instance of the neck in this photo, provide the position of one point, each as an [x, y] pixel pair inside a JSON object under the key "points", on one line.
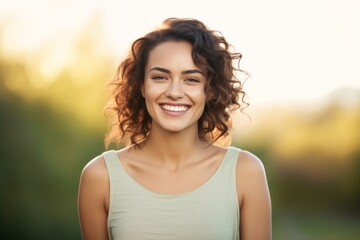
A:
{"points": [[173, 150]]}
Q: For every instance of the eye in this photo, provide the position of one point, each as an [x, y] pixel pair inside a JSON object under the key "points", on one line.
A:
{"points": [[158, 77], [192, 80]]}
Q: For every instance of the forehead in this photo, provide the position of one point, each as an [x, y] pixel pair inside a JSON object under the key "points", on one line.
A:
{"points": [[171, 55]]}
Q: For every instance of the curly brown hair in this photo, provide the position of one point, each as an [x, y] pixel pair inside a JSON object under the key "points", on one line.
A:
{"points": [[210, 51]]}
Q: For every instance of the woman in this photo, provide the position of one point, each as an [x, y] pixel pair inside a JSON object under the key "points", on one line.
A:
{"points": [[174, 93]]}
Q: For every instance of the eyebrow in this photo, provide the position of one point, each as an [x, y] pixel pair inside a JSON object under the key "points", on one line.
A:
{"points": [[164, 70]]}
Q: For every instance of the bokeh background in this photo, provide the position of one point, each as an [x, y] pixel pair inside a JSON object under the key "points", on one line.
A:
{"points": [[56, 58]]}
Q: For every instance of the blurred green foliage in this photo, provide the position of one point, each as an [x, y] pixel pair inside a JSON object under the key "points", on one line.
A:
{"points": [[43, 150], [312, 157], [50, 131]]}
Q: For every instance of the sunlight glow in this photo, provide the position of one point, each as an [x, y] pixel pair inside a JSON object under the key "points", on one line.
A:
{"points": [[298, 51]]}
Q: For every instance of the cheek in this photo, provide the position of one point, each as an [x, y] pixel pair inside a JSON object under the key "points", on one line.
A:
{"points": [[151, 92], [198, 94]]}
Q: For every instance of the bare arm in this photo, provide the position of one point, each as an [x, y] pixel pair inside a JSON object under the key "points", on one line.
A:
{"points": [[254, 199], [93, 200]]}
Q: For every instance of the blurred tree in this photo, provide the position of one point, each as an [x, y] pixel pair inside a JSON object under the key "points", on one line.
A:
{"points": [[42, 153], [48, 133]]}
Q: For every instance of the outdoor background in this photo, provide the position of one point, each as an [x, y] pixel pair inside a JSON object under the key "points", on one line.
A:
{"points": [[56, 58]]}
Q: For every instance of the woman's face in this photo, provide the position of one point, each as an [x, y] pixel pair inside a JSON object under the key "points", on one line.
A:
{"points": [[174, 87]]}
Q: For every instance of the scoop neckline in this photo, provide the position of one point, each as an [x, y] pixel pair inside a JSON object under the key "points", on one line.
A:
{"points": [[167, 195]]}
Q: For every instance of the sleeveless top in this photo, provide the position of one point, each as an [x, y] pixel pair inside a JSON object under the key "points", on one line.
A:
{"points": [[211, 211]]}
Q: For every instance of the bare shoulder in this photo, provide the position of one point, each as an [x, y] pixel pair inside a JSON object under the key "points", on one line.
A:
{"points": [[249, 164], [93, 199], [254, 197], [96, 168], [94, 182], [250, 176]]}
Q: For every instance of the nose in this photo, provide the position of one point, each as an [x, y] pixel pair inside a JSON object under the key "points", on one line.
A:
{"points": [[175, 90]]}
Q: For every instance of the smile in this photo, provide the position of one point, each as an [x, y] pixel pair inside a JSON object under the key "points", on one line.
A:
{"points": [[174, 108]]}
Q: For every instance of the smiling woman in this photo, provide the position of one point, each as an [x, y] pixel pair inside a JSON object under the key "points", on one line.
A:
{"points": [[173, 96]]}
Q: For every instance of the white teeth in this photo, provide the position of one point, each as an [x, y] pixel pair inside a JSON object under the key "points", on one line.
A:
{"points": [[174, 108]]}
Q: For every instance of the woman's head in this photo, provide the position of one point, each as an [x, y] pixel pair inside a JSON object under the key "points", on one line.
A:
{"points": [[210, 52]]}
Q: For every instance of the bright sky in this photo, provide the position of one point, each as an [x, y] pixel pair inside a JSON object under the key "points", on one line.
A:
{"points": [[295, 50]]}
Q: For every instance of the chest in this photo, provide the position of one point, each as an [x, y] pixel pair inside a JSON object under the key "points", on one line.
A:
{"points": [[207, 213], [197, 204], [165, 181]]}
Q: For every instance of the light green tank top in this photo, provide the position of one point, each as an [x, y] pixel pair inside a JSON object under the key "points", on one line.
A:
{"points": [[209, 212]]}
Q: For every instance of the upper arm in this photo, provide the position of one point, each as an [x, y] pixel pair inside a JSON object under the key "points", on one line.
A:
{"points": [[254, 198], [92, 197]]}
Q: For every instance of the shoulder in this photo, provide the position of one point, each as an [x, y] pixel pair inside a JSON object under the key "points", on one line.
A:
{"points": [[94, 182], [93, 199], [248, 163], [254, 197], [95, 171], [250, 175]]}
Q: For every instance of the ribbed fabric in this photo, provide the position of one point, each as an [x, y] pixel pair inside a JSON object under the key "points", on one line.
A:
{"points": [[209, 212]]}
